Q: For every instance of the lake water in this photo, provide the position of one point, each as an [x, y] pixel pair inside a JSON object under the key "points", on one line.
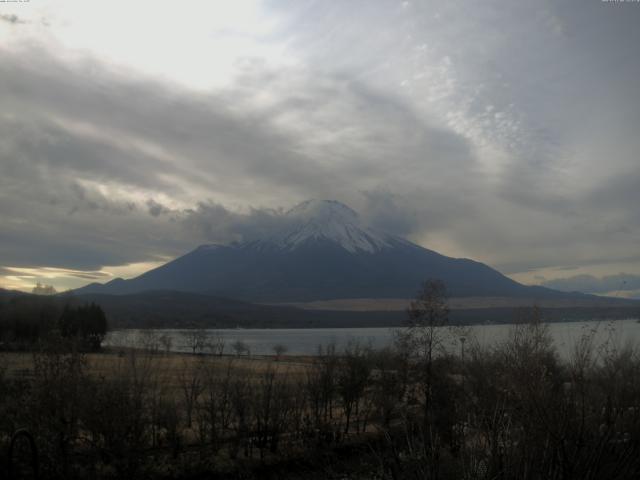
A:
{"points": [[617, 333]]}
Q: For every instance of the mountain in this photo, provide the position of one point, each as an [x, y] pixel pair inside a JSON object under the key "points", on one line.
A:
{"points": [[185, 309], [4, 293], [321, 251]]}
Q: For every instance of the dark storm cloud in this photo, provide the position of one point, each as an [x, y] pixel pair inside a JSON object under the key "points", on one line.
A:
{"points": [[72, 133], [217, 224]]}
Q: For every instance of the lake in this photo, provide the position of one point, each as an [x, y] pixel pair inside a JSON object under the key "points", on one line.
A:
{"points": [[617, 333]]}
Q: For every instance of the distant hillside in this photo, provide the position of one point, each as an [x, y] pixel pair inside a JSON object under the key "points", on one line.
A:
{"points": [[11, 293], [171, 309], [167, 309], [468, 303], [184, 309]]}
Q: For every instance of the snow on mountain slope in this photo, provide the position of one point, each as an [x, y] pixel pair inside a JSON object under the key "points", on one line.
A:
{"points": [[326, 220]]}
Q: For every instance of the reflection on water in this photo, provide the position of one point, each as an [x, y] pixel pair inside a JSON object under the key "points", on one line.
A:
{"points": [[617, 333]]}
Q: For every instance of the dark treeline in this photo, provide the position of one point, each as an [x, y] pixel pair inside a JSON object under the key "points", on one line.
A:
{"points": [[514, 411], [28, 319]]}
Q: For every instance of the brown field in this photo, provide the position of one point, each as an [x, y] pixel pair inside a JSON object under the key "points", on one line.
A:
{"points": [[457, 303], [168, 368]]}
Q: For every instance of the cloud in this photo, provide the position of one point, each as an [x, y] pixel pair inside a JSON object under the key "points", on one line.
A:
{"points": [[216, 224], [155, 208], [49, 272], [11, 18], [87, 159], [621, 282], [500, 133], [388, 212]]}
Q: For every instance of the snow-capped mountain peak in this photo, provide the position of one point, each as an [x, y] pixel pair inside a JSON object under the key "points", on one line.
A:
{"points": [[327, 220], [323, 210]]}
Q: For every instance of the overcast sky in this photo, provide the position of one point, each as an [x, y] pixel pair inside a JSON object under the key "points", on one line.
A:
{"points": [[507, 132]]}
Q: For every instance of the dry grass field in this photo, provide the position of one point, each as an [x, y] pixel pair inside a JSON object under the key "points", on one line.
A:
{"points": [[459, 303], [111, 359], [169, 369]]}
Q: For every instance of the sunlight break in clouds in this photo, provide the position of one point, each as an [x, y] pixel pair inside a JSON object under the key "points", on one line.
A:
{"points": [[20, 278]]}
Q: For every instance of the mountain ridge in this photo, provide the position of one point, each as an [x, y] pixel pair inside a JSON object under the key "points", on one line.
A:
{"points": [[320, 251]]}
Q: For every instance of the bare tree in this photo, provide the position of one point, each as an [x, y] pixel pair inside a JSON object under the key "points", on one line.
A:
{"points": [[57, 397], [389, 384], [422, 340], [280, 349], [166, 341], [191, 378], [272, 406], [217, 407], [240, 347], [243, 404], [321, 390], [427, 314], [217, 344], [120, 415], [195, 339], [150, 341], [353, 377]]}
